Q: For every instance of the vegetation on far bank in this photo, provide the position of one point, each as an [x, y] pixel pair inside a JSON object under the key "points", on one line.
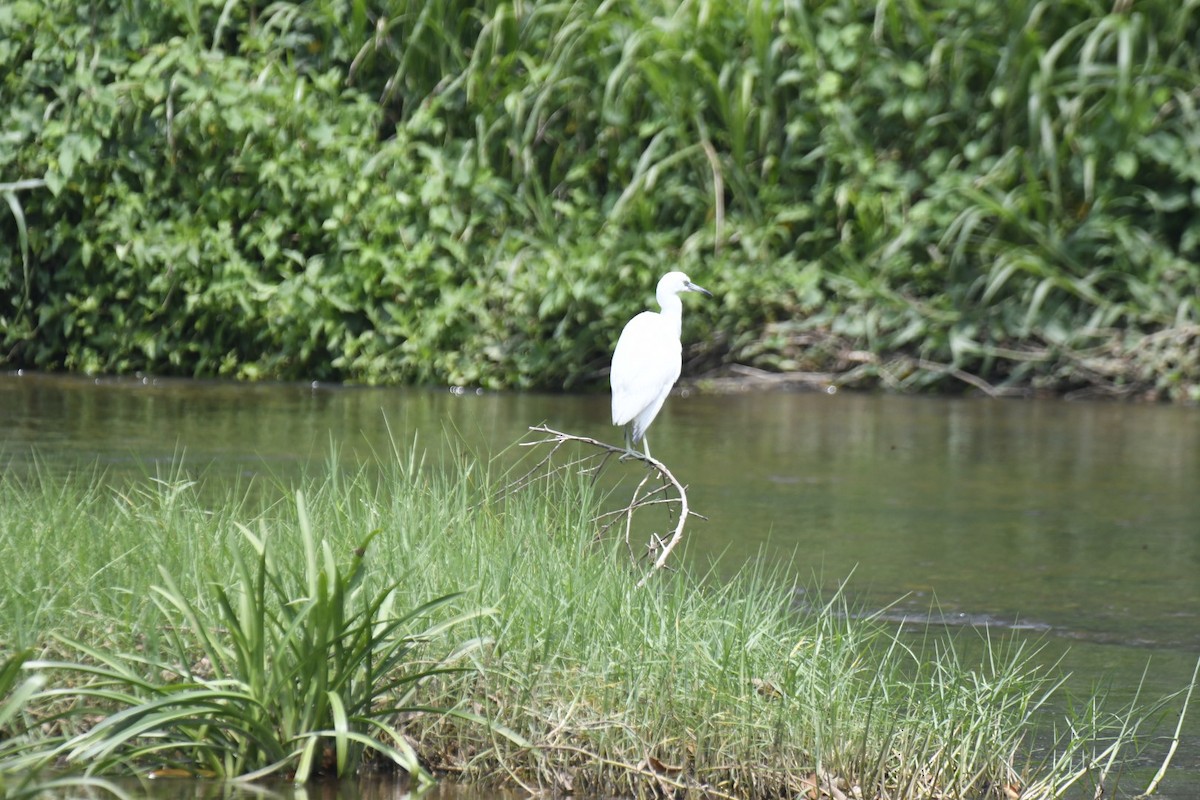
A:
{"points": [[906, 194], [409, 615]]}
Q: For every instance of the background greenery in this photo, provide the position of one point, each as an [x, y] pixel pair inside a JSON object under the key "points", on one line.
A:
{"points": [[907, 193]]}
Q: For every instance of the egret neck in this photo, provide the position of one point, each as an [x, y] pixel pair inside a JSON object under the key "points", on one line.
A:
{"points": [[672, 309]]}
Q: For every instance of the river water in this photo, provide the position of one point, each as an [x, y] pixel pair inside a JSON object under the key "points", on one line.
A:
{"points": [[1074, 524]]}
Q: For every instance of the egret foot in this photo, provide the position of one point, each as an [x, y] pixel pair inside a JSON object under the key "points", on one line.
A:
{"points": [[630, 452]]}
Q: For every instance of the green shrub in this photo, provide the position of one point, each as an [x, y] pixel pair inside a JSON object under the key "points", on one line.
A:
{"points": [[481, 194]]}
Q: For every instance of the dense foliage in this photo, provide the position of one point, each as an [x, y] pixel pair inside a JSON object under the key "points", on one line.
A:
{"points": [[480, 193]]}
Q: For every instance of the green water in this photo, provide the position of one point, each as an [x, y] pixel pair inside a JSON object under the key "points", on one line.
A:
{"points": [[1074, 524]]}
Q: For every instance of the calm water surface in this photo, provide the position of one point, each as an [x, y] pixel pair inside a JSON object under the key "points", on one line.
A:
{"points": [[1074, 524]]}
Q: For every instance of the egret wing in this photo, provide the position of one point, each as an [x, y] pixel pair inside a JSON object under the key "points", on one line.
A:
{"points": [[645, 366]]}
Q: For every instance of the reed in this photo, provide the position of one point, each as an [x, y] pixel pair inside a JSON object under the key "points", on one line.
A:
{"points": [[307, 642]]}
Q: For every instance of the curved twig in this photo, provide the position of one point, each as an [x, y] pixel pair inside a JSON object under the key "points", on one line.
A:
{"points": [[557, 439]]}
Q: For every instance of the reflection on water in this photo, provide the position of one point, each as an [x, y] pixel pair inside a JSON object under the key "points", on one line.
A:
{"points": [[1082, 517], [1077, 522]]}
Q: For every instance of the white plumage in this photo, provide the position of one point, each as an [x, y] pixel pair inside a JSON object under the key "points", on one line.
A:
{"points": [[648, 359]]}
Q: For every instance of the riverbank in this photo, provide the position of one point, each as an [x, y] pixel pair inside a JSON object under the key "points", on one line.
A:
{"points": [[1113, 366], [556, 671]]}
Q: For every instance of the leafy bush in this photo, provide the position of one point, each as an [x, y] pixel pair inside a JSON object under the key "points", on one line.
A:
{"points": [[482, 193]]}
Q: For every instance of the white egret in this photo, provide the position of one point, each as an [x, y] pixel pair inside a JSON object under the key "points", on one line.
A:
{"points": [[648, 360]]}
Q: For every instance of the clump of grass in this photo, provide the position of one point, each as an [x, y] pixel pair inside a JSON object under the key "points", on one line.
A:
{"points": [[14, 694], [294, 670], [726, 688], [20, 776], [744, 687]]}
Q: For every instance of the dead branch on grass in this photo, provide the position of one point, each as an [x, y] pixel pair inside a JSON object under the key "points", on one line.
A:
{"points": [[597, 455]]}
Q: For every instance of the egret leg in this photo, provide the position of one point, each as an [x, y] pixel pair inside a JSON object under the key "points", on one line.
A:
{"points": [[628, 443], [629, 451]]}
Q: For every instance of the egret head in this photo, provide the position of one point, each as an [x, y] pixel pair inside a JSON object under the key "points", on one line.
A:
{"points": [[673, 283]]}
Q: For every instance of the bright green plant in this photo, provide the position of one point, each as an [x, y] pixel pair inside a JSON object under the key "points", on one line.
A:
{"points": [[15, 695], [12, 696], [296, 671], [23, 764]]}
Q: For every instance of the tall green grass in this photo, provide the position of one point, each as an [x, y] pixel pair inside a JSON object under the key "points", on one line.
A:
{"points": [[573, 679]]}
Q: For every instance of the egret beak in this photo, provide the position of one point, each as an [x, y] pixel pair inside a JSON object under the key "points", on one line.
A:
{"points": [[691, 287]]}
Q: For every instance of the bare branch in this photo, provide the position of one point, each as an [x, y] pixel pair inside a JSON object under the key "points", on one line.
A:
{"points": [[544, 469]]}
